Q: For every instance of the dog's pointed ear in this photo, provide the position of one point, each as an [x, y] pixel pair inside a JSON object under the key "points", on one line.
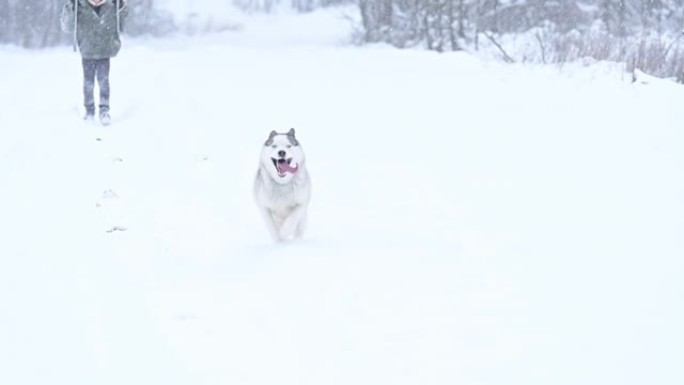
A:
{"points": [[269, 141], [291, 137]]}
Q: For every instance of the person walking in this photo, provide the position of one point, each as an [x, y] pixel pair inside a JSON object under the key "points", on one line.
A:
{"points": [[96, 25]]}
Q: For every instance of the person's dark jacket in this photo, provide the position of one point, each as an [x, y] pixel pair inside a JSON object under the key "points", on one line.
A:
{"points": [[97, 32]]}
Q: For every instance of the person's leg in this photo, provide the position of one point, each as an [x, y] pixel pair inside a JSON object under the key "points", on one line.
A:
{"points": [[103, 82], [89, 86]]}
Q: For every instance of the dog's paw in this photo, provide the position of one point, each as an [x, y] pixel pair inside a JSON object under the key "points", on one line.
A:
{"points": [[287, 231], [276, 237]]}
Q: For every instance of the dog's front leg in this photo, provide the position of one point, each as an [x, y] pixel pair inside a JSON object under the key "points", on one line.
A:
{"points": [[270, 224], [301, 226], [291, 226]]}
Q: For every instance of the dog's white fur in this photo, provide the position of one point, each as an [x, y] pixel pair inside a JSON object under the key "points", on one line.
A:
{"points": [[283, 197]]}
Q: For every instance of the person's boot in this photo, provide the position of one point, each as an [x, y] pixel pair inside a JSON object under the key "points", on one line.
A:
{"points": [[90, 113], [105, 119]]}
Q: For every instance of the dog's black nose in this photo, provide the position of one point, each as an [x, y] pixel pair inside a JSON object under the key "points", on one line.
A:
{"points": [[281, 153]]}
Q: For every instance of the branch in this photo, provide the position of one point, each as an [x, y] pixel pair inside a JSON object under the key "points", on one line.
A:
{"points": [[506, 57], [541, 46], [672, 44]]}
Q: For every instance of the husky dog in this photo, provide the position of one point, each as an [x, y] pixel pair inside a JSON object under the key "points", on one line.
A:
{"points": [[282, 188]]}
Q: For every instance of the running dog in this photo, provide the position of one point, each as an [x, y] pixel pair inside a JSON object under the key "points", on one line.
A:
{"points": [[282, 188]]}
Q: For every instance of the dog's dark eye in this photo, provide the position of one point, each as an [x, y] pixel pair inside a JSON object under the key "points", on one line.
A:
{"points": [[289, 146], [274, 146]]}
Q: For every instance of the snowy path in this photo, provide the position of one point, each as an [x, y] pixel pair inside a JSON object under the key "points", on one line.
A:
{"points": [[471, 223]]}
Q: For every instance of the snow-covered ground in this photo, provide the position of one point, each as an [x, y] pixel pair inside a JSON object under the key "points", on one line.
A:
{"points": [[471, 222]]}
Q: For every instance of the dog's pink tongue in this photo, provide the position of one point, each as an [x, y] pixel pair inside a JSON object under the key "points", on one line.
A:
{"points": [[284, 167]]}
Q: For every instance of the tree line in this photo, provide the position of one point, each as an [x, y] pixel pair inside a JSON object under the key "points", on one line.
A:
{"points": [[644, 34], [35, 24]]}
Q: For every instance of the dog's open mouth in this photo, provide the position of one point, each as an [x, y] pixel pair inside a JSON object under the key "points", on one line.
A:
{"points": [[283, 166]]}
